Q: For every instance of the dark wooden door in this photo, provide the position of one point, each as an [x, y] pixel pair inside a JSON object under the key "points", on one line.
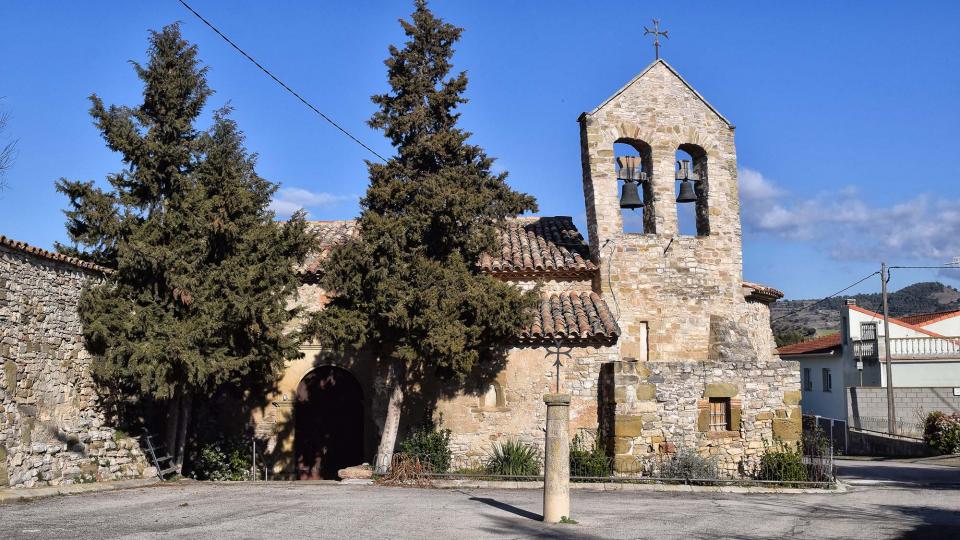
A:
{"points": [[328, 418]]}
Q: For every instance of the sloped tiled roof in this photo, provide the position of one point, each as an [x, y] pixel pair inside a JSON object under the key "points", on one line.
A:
{"points": [[822, 343], [24, 247], [540, 246], [329, 234], [756, 292], [573, 316], [923, 319]]}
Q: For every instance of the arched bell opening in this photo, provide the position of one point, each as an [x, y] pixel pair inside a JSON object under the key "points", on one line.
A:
{"points": [[693, 211], [633, 164], [328, 419]]}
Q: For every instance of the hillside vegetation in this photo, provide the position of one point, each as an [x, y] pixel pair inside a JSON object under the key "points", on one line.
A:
{"points": [[922, 297]]}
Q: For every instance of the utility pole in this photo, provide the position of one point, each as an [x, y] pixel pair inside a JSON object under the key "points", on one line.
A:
{"points": [[891, 409]]}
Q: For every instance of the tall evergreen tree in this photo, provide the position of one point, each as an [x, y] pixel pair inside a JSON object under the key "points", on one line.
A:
{"points": [[201, 272], [408, 286]]}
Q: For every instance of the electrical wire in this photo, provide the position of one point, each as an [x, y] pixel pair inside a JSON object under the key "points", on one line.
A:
{"points": [[281, 83], [845, 289]]}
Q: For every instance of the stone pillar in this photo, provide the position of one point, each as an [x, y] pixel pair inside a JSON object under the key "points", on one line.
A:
{"points": [[556, 459]]}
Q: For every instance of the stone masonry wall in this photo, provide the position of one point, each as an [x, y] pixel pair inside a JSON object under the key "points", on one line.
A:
{"points": [[671, 282], [52, 430], [652, 408], [517, 412]]}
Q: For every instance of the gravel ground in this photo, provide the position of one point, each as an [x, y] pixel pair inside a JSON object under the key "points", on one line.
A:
{"points": [[291, 510]]}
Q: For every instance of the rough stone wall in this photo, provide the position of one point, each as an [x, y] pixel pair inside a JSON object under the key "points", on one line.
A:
{"points": [[52, 430], [519, 412], [673, 283]]}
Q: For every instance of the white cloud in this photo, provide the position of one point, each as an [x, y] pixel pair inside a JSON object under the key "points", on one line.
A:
{"points": [[288, 200], [847, 227]]}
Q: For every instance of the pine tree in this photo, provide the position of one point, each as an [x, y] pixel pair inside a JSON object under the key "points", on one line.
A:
{"points": [[201, 272], [408, 287]]}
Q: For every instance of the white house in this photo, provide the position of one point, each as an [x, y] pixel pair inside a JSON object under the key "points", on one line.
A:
{"points": [[924, 348]]}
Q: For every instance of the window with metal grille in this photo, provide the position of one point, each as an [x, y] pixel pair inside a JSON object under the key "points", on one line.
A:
{"points": [[868, 331], [719, 414], [827, 380], [807, 379]]}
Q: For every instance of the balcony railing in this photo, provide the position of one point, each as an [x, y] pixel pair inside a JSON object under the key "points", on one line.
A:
{"points": [[911, 347]]}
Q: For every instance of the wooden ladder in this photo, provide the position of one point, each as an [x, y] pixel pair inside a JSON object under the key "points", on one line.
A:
{"points": [[152, 449]]}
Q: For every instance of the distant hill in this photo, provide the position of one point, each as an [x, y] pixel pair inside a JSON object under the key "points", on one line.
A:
{"points": [[925, 297]]}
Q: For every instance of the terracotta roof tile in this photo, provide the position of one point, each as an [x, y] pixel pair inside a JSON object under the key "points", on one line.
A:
{"points": [[573, 316], [821, 343], [923, 319], [761, 293], [540, 246], [24, 247], [329, 234]]}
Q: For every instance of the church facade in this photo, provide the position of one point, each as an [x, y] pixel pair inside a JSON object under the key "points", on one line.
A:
{"points": [[667, 345]]}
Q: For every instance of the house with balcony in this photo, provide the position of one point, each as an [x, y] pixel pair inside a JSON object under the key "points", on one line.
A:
{"points": [[843, 375]]}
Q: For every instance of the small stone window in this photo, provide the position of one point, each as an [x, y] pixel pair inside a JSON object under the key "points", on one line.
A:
{"points": [[492, 399], [720, 414], [827, 380]]}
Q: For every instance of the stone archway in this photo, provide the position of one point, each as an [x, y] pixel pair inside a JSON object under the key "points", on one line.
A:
{"points": [[328, 423]]}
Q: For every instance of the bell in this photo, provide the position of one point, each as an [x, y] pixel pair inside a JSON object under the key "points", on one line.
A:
{"points": [[686, 192], [630, 196]]}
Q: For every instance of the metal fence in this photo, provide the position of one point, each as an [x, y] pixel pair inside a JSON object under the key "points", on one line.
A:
{"points": [[830, 430], [790, 467], [879, 424]]}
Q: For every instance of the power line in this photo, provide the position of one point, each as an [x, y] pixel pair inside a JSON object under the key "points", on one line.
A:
{"points": [[845, 289], [281, 83]]}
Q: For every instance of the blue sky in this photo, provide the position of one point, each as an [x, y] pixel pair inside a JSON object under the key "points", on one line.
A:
{"points": [[846, 112]]}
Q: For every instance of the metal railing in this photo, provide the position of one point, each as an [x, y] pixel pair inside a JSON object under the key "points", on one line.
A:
{"points": [[681, 467], [865, 349], [879, 424]]}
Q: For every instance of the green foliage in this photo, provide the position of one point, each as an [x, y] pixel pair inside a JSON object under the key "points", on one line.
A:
{"points": [[589, 460], [688, 464], [224, 460], [783, 463], [430, 445], [942, 432], [513, 458], [793, 335], [408, 285], [201, 271], [564, 520]]}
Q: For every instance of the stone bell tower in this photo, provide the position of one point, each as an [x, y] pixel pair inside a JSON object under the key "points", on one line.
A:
{"points": [[668, 287]]}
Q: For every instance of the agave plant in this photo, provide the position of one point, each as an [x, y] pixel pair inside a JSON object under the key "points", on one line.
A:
{"points": [[513, 458]]}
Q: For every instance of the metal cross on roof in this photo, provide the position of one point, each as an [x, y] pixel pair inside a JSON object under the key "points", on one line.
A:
{"points": [[558, 349], [656, 35]]}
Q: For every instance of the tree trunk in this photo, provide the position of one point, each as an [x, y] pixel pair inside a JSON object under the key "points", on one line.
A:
{"points": [[388, 439], [186, 405], [172, 423]]}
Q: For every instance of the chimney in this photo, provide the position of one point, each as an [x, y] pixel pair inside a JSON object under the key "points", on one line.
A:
{"points": [[851, 301]]}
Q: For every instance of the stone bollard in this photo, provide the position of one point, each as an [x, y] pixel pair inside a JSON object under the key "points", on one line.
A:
{"points": [[556, 459]]}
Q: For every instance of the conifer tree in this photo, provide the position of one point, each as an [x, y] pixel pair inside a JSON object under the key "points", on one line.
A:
{"points": [[201, 272], [408, 287]]}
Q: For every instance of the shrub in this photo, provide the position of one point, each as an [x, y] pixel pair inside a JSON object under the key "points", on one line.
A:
{"points": [[223, 460], [513, 458], [431, 446], [687, 464], [589, 461], [783, 463], [942, 432]]}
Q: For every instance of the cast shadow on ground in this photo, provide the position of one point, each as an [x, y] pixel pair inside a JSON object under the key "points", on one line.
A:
{"points": [[508, 508]]}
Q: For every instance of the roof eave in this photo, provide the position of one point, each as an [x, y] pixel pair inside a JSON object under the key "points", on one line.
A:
{"points": [[644, 72]]}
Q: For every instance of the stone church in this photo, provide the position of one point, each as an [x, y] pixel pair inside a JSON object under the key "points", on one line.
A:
{"points": [[668, 345]]}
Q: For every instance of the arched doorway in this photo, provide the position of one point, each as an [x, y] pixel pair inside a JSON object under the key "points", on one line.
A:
{"points": [[328, 423]]}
